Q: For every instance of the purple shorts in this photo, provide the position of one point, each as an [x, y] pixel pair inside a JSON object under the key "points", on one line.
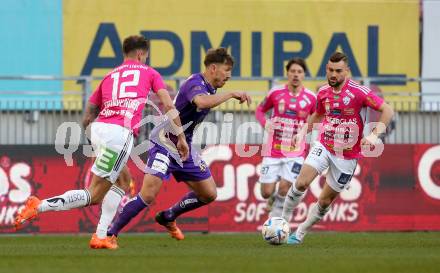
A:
{"points": [[161, 164]]}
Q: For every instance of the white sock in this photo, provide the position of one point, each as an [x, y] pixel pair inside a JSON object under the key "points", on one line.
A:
{"points": [[277, 207], [109, 207], [69, 200], [316, 213], [292, 199]]}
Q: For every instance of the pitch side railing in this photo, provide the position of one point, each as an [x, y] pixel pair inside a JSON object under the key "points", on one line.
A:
{"points": [[34, 116]]}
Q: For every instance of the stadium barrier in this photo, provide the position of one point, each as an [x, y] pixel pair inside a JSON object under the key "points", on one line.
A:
{"points": [[31, 117], [398, 191]]}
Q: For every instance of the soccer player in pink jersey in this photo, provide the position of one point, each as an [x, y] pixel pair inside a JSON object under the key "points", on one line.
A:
{"points": [[339, 108], [291, 105], [118, 103]]}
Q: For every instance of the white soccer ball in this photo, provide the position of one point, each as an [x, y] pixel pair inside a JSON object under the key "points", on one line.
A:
{"points": [[276, 231]]}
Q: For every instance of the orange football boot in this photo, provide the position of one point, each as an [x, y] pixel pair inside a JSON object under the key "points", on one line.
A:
{"points": [[171, 227], [106, 243], [29, 212]]}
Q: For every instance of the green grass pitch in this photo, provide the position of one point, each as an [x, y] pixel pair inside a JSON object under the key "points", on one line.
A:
{"points": [[225, 253]]}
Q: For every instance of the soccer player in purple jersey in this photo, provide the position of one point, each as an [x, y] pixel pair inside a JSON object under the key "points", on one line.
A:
{"points": [[194, 100]]}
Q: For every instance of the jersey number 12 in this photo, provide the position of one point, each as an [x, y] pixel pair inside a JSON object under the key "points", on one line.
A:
{"points": [[118, 92]]}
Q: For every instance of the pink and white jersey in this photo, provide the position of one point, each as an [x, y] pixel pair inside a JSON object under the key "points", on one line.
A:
{"points": [[122, 94], [289, 113], [344, 117]]}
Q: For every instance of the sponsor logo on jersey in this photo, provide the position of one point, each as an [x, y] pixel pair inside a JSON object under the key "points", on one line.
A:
{"points": [[286, 148], [336, 112], [348, 111], [334, 148], [281, 107], [293, 106], [303, 114], [336, 104], [291, 113], [293, 100], [327, 106], [203, 166], [338, 121]]}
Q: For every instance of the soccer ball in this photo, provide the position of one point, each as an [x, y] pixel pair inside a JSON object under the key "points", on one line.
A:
{"points": [[276, 231]]}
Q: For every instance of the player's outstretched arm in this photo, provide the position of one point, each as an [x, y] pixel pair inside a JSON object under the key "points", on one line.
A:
{"points": [[173, 116], [211, 101]]}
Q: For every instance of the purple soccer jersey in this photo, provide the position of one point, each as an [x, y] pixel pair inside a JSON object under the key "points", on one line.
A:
{"points": [[190, 115], [163, 157]]}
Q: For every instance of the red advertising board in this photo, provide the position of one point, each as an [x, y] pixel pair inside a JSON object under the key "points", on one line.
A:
{"points": [[400, 190]]}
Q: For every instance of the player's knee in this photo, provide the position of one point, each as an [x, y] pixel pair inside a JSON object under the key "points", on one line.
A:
{"points": [[97, 194], [301, 185], [96, 199], [282, 191], [123, 184], [211, 198], [147, 197], [123, 180], [324, 202], [208, 197], [266, 192]]}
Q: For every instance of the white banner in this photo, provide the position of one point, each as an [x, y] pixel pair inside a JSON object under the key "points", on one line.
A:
{"points": [[431, 55]]}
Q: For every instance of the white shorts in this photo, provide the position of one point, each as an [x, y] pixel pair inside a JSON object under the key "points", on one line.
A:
{"points": [[272, 169], [340, 170], [112, 144]]}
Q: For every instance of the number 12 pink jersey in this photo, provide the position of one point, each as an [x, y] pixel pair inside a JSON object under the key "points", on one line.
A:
{"points": [[122, 94]]}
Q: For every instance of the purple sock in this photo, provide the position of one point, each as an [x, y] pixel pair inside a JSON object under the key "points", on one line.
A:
{"points": [[130, 210], [187, 203]]}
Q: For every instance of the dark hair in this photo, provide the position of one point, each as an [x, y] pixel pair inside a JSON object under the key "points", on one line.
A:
{"points": [[218, 56], [134, 42], [298, 61], [337, 57]]}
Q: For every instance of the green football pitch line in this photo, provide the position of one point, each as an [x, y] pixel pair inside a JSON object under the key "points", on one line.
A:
{"points": [[225, 253]]}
